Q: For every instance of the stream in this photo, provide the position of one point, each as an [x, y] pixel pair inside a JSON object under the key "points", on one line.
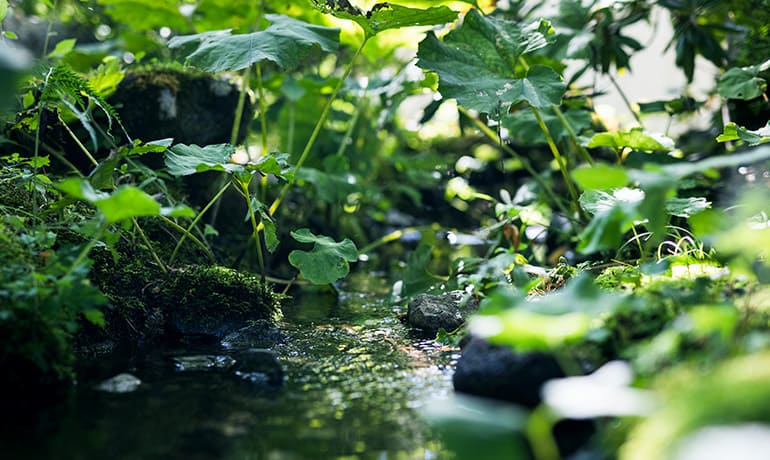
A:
{"points": [[355, 380]]}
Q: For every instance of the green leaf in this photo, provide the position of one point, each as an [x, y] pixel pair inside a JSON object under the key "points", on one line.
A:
{"points": [[183, 160], [636, 139], [62, 48], [327, 262], [524, 128], [733, 132], [287, 42], [742, 83], [686, 207], [127, 202], [601, 176], [80, 189], [3, 9], [95, 317], [476, 64], [385, 16], [545, 323], [144, 15]]}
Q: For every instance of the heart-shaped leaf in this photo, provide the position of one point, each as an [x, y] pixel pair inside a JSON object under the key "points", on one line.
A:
{"points": [[183, 160], [743, 82], [286, 42], [327, 262], [476, 64], [733, 132]]}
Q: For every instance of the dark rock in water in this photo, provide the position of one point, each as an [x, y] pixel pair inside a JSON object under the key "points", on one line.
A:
{"points": [[261, 368], [258, 334], [433, 312], [500, 373], [121, 383], [203, 363]]}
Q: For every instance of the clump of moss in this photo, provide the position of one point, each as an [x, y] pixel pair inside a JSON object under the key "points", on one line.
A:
{"points": [[213, 300]]}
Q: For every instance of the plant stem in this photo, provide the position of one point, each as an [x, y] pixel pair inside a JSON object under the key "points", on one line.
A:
{"points": [[625, 100], [262, 107], [524, 161], [239, 107], [149, 246], [559, 159], [540, 434], [186, 233], [197, 219], [349, 132], [572, 135], [78, 143], [255, 228], [86, 249], [319, 124]]}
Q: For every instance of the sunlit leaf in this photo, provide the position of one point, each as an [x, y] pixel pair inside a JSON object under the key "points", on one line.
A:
{"points": [[635, 139], [600, 176], [476, 64], [327, 262], [733, 132], [686, 207], [183, 160], [62, 48], [384, 16], [286, 42]]}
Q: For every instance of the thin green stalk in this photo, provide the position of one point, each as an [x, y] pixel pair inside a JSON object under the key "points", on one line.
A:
{"points": [[524, 161], [540, 434], [197, 218], [255, 227], [149, 246], [292, 122], [349, 132], [78, 143], [572, 135], [385, 239], [319, 124], [86, 249], [185, 232], [625, 100], [262, 107], [239, 107], [559, 158]]}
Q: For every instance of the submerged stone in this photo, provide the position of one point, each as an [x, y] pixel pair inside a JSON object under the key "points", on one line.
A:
{"points": [[203, 363], [121, 383], [260, 367], [258, 334], [446, 311], [500, 373]]}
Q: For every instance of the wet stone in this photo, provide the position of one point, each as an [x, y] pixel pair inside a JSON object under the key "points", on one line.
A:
{"points": [[259, 334], [203, 363], [261, 368], [121, 383], [446, 311]]}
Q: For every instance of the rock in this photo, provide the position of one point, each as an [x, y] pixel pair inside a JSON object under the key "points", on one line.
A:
{"points": [[121, 383], [203, 363], [500, 373], [261, 368], [259, 334], [433, 312]]}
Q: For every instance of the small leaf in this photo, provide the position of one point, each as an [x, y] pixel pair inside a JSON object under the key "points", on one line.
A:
{"points": [[80, 189], [614, 215], [62, 48], [183, 160], [95, 317], [3, 9], [600, 177], [327, 262], [733, 132], [636, 139], [686, 207], [742, 83]]}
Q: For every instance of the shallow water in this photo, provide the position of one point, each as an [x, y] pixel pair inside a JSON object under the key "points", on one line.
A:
{"points": [[356, 380]]}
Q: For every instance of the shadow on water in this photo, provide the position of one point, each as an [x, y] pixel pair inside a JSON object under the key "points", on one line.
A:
{"points": [[355, 383]]}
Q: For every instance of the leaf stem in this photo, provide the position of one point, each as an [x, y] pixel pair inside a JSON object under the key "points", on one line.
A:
{"points": [[572, 135], [319, 124], [239, 107], [186, 233], [558, 157], [154, 254], [198, 218], [625, 100], [524, 161], [255, 227]]}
